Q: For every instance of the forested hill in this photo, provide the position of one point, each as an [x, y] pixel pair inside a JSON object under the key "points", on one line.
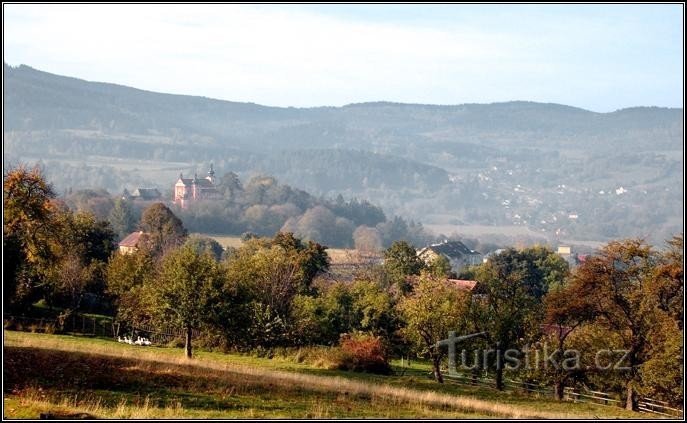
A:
{"points": [[36, 100], [500, 163]]}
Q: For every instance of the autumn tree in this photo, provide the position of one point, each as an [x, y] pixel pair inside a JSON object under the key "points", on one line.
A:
{"points": [[374, 309], [273, 278], [49, 250], [621, 289], [564, 313], [28, 216], [97, 202], [188, 289], [432, 310], [508, 304], [366, 238], [310, 256], [273, 272], [128, 276], [81, 252], [70, 277], [204, 244], [401, 261], [162, 229], [670, 274], [662, 374], [342, 307]]}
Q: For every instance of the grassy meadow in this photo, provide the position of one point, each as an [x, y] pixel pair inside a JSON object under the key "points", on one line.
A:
{"points": [[71, 376]]}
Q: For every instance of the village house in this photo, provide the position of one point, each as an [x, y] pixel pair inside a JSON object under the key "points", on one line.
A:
{"points": [[143, 194], [457, 254], [147, 194], [463, 284], [492, 254], [574, 259], [130, 243], [187, 190]]}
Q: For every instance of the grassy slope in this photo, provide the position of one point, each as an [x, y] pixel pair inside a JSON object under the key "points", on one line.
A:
{"points": [[63, 374]]}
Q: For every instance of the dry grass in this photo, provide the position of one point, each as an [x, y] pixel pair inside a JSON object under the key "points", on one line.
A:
{"points": [[233, 385], [71, 407]]}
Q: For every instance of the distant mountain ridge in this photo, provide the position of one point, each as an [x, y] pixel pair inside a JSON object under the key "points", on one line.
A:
{"points": [[30, 91]]}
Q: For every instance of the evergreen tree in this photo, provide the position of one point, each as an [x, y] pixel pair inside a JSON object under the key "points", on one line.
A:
{"points": [[122, 218]]}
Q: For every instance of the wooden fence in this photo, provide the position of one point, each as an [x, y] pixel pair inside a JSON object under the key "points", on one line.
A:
{"points": [[76, 323], [157, 335], [649, 405], [646, 405], [92, 326], [509, 384]]}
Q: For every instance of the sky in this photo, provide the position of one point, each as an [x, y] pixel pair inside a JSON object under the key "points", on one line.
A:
{"points": [[597, 57]]}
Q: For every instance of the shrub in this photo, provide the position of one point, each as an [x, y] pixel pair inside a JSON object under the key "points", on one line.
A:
{"points": [[364, 353], [333, 358]]}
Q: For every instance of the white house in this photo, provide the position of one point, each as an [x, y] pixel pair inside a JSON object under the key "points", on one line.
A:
{"points": [[458, 255]]}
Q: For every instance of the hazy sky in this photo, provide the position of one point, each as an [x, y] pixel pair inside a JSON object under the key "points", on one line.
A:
{"points": [[598, 57]]}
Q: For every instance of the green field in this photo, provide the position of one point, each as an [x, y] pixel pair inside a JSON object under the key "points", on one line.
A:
{"points": [[66, 375]]}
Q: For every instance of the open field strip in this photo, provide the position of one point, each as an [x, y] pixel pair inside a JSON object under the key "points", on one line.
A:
{"points": [[225, 240], [119, 380]]}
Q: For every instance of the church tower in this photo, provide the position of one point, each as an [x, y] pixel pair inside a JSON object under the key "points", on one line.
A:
{"points": [[211, 175]]}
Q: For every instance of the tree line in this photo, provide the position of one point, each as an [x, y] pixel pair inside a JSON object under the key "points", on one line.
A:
{"points": [[262, 206]]}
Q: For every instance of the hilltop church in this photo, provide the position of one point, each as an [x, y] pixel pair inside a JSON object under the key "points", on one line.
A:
{"points": [[187, 190]]}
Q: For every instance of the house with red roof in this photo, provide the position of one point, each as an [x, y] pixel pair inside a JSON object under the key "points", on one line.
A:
{"points": [[130, 243]]}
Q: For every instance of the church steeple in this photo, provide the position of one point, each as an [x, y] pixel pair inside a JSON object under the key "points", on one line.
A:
{"points": [[211, 174]]}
